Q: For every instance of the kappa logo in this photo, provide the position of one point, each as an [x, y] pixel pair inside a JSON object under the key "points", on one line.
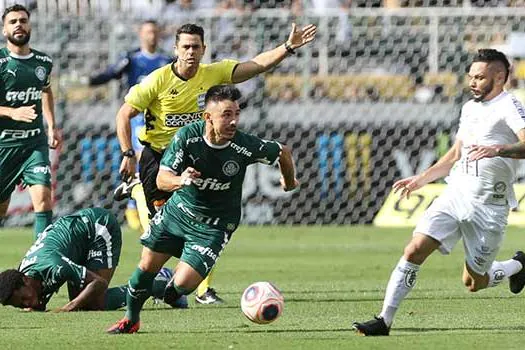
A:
{"points": [[173, 92]]}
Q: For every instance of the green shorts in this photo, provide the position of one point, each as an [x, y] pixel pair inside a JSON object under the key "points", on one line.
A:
{"points": [[196, 243], [104, 249], [30, 166]]}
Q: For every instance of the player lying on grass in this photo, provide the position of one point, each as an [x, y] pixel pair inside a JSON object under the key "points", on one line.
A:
{"points": [[204, 166], [82, 249]]}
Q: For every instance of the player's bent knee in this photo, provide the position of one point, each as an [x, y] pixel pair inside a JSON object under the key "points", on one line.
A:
{"points": [[188, 284], [187, 277]]}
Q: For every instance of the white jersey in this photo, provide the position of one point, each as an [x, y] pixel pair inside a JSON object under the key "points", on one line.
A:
{"points": [[493, 122]]}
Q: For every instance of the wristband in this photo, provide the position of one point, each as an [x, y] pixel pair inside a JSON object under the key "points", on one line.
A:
{"points": [[289, 48], [129, 153]]}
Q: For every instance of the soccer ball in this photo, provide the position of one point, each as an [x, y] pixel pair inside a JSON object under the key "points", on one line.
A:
{"points": [[262, 302]]}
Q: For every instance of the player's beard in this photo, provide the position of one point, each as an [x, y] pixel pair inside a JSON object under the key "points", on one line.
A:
{"points": [[485, 91], [21, 41]]}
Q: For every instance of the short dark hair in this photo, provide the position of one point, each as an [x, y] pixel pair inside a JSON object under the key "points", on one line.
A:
{"points": [[491, 55], [15, 8], [219, 93], [10, 281], [149, 21], [189, 28]]}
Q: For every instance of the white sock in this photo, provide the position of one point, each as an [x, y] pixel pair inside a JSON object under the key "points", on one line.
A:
{"points": [[501, 270], [402, 280]]}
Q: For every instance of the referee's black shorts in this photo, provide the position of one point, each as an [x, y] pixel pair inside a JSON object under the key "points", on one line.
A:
{"points": [[149, 163]]}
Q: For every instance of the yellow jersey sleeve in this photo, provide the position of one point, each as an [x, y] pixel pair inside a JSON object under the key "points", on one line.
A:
{"points": [[223, 70], [141, 95], [169, 102]]}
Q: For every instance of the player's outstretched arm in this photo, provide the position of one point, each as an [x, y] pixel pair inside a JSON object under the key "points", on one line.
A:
{"points": [[90, 297], [440, 169], [168, 181], [114, 71], [269, 59], [124, 116], [288, 180]]}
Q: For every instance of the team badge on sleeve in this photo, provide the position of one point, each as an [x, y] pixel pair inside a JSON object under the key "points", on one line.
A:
{"points": [[40, 73]]}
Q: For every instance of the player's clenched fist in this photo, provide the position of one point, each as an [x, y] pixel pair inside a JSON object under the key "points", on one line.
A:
{"points": [[187, 176]]}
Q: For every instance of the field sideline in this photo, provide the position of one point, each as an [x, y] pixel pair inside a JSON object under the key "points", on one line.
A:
{"points": [[329, 276]]}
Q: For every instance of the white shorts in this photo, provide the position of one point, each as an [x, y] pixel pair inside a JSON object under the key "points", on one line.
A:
{"points": [[482, 226]]}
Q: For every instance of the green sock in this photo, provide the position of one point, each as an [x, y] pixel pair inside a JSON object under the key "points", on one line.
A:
{"points": [[173, 293], [182, 291], [139, 290], [42, 220], [116, 297]]}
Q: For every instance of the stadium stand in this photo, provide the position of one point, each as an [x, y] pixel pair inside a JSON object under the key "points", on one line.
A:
{"points": [[345, 103]]}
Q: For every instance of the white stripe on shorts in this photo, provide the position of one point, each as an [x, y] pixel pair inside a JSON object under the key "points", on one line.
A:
{"points": [[101, 230]]}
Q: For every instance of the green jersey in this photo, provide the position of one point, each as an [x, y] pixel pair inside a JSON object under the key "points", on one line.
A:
{"points": [[66, 247], [22, 79], [215, 197]]}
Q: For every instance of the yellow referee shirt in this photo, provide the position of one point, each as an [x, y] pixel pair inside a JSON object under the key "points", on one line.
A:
{"points": [[169, 102]]}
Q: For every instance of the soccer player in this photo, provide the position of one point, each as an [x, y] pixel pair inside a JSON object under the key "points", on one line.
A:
{"points": [[135, 65], [204, 166], [173, 96], [82, 249], [25, 99], [481, 168]]}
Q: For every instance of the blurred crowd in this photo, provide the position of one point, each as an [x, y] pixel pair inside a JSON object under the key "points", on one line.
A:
{"points": [[358, 66], [171, 9]]}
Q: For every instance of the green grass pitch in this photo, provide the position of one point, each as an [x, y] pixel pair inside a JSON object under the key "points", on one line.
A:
{"points": [[330, 276]]}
